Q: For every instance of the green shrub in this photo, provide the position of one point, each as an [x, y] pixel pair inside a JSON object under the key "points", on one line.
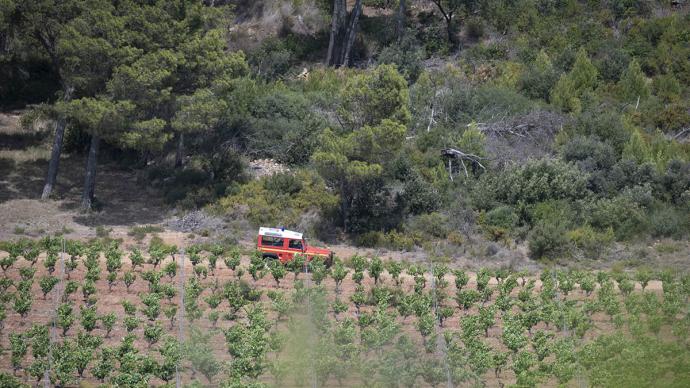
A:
{"points": [[547, 240], [370, 239], [589, 153], [399, 241], [262, 206], [465, 104], [604, 123], [432, 224], [640, 195], [592, 243], [434, 36], [418, 196], [612, 64], [633, 83], [628, 173], [392, 240], [667, 88], [670, 118], [574, 89], [474, 28], [272, 59], [668, 221], [539, 78], [625, 217], [407, 56], [499, 222], [369, 98], [492, 51], [676, 182], [283, 126], [533, 182], [202, 180], [283, 183], [140, 232]]}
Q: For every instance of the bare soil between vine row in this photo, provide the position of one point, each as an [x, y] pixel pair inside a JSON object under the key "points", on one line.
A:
{"points": [[109, 300]]}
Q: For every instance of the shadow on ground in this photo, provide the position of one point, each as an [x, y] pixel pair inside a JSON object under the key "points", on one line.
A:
{"points": [[121, 199]]}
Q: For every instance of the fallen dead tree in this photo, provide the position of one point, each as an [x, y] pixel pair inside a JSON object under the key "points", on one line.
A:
{"points": [[518, 138], [534, 124], [455, 154]]}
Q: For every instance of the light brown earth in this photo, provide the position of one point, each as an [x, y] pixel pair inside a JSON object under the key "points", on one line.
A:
{"points": [[109, 300]]}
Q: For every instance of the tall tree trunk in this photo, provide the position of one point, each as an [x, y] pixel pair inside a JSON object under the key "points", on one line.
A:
{"points": [[400, 21], [448, 16], [179, 154], [449, 30], [54, 159], [90, 176], [54, 162], [344, 206], [351, 32], [337, 29]]}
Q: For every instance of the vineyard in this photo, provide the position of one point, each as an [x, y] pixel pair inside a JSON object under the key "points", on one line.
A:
{"points": [[211, 315]]}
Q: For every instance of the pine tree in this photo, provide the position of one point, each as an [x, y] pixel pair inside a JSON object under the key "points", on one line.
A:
{"points": [[637, 148], [633, 83], [572, 87]]}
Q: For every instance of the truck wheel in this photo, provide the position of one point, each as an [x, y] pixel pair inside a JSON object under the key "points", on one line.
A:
{"points": [[269, 258]]}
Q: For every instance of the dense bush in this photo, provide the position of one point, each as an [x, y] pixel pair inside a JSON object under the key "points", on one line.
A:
{"points": [[676, 182], [272, 59], [418, 196], [547, 240], [536, 181], [406, 56], [574, 91], [370, 97], [625, 217], [283, 127], [539, 78], [499, 222], [465, 104], [279, 200], [202, 181], [592, 243], [589, 153], [668, 221], [433, 225], [612, 64], [604, 124]]}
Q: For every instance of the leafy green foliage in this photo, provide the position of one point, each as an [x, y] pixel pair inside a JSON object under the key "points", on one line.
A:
{"points": [[573, 89], [369, 98]]}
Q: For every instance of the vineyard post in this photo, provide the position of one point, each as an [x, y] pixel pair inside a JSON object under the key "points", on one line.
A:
{"points": [[565, 328], [180, 319], [56, 299], [309, 317], [440, 340]]}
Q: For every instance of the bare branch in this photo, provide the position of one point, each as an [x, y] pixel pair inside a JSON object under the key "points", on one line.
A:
{"points": [[453, 153], [465, 168]]}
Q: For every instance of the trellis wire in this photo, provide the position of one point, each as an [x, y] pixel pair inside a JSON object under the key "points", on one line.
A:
{"points": [[180, 319], [314, 383], [52, 338], [565, 330], [440, 342]]}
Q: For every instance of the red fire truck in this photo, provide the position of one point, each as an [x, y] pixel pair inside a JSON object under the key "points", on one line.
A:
{"points": [[282, 245]]}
